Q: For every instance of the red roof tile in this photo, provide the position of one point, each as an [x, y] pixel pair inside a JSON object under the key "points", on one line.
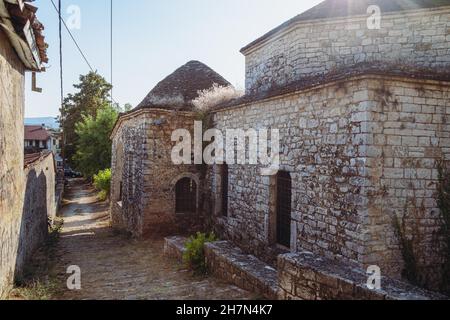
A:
{"points": [[36, 133], [35, 157]]}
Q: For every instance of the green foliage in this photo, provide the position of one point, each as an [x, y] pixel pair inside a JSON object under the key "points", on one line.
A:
{"points": [[36, 290], [127, 107], [92, 95], [54, 230], [410, 271], [102, 182], [194, 257], [94, 145]]}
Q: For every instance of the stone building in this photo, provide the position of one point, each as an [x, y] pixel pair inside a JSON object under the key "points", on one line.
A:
{"points": [[22, 48], [151, 195], [362, 113]]}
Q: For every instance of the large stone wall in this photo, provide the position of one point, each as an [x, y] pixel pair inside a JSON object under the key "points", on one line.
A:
{"points": [[142, 164], [305, 276], [353, 148], [408, 138], [12, 185], [420, 38], [39, 206], [27, 197], [127, 173], [321, 148]]}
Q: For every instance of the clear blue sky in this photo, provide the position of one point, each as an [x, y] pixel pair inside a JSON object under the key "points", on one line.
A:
{"points": [[152, 38]]}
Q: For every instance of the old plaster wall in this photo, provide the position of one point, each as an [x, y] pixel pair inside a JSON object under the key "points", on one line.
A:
{"points": [[39, 206], [12, 182]]}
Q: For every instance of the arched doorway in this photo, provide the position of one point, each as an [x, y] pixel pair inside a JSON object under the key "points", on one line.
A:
{"points": [[186, 196]]}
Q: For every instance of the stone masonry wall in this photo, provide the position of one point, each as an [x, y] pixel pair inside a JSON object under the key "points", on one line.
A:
{"points": [[148, 174], [127, 177], [305, 276], [322, 149], [39, 206], [408, 137], [12, 184], [420, 39], [357, 150]]}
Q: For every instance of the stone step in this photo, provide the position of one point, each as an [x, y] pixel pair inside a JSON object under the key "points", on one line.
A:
{"points": [[306, 276], [174, 247], [232, 265]]}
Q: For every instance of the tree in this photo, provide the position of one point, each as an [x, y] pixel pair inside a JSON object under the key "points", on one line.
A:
{"points": [[93, 147], [92, 95]]}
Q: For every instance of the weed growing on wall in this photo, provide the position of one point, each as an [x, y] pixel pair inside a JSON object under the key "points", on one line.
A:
{"points": [[444, 206], [411, 269]]}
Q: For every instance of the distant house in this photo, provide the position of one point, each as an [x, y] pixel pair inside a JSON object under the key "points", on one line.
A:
{"points": [[37, 138], [40, 138]]}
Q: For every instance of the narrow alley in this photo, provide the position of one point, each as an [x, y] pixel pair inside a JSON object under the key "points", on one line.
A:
{"points": [[114, 267]]}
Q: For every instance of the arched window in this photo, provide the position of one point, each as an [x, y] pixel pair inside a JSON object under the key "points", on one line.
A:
{"points": [[186, 196], [284, 204], [225, 190]]}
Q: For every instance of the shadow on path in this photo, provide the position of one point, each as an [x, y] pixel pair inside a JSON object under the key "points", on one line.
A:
{"points": [[118, 268]]}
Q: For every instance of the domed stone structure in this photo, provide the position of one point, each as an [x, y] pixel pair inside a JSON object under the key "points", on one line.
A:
{"points": [[151, 195]]}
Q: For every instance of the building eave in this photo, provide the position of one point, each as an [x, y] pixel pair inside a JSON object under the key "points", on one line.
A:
{"points": [[293, 24], [441, 80], [30, 50], [139, 112]]}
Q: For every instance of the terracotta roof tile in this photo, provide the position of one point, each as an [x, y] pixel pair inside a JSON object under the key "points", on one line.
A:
{"points": [[36, 133], [35, 157]]}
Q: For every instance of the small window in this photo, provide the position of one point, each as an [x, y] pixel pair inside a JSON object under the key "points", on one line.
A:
{"points": [[225, 187], [284, 204], [186, 196], [131, 180]]}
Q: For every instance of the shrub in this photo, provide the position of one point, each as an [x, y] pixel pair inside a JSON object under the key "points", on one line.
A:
{"points": [[93, 147], [194, 257], [102, 182], [212, 97]]}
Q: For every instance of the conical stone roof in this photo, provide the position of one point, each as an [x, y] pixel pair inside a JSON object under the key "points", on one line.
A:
{"points": [[178, 89]]}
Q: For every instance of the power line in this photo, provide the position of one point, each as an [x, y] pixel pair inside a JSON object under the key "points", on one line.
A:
{"points": [[61, 21], [71, 35], [61, 56], [63, 113], [112, 88]]}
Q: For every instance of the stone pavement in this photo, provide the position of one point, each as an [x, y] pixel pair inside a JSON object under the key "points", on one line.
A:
{"points": [[116, 267]]}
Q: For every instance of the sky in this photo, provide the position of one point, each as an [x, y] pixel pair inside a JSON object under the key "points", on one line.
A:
{"points": [[152, 38]]}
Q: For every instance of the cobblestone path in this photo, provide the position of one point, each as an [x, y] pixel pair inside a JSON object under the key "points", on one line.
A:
{"points": [[115, 267]]}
